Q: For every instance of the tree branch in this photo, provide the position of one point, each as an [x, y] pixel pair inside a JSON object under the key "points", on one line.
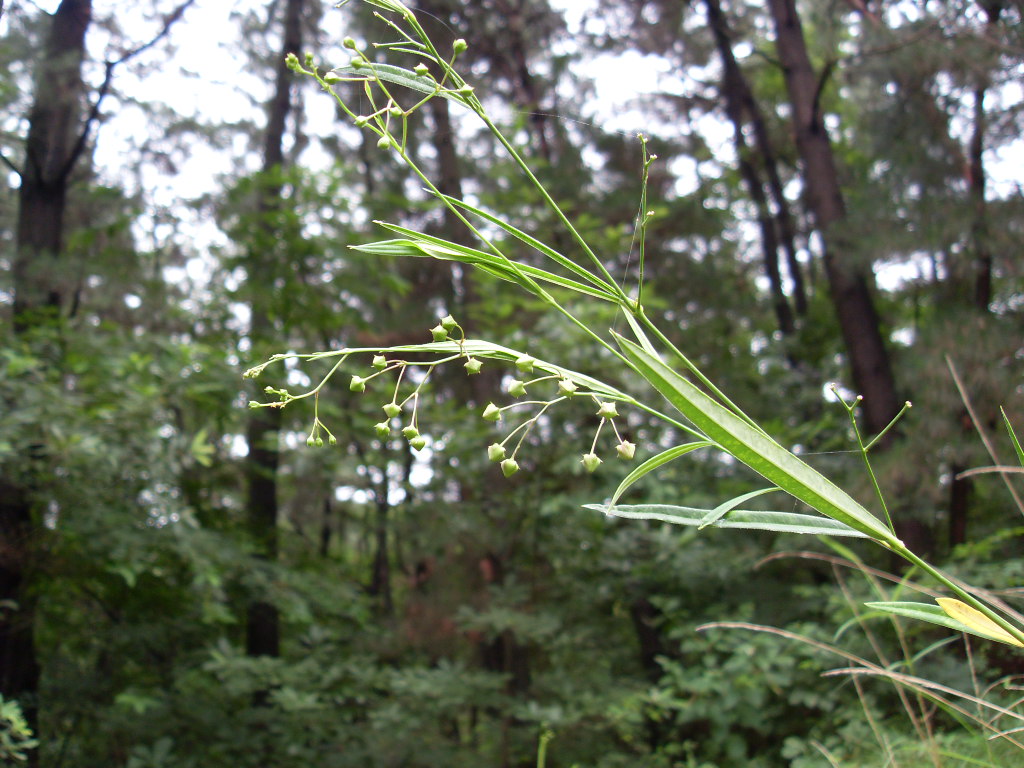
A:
{"points": [[108, 75], [3, 157]]}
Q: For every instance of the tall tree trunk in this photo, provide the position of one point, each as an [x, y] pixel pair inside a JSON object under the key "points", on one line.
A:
{"points": [[850, 284], [262, 629], [50, 154], [738, 97]]}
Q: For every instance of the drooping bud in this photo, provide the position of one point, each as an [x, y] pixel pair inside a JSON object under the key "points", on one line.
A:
{"points": [[448, 323], [591, 461], [439, 332], [380, 362], [410, 432], [525, 363], [319, 442], [459, 46], [509, 467], [567, 387], [332, 440], [384, 142], [496, 452], [383, 429], [361, 121], [419, 442], [421, 69], [349, 43], [517, 388], [357, 384], [473, 366], [607, 411], [492, 412], [392, 409], [310, 441], [396, 111], [626, 450]]}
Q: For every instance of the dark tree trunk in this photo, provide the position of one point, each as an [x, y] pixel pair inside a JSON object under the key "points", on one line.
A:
{"points": [[959, 505], [51, 149], [849, 283], [54, 123], [262, 630], [738, 101]]}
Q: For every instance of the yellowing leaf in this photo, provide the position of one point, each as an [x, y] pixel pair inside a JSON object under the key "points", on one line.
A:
{"points": [[976, 621]]}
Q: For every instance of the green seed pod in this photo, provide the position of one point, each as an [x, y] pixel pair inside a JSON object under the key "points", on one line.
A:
{"points": [[310, 441], [509, 467], [357, 384], [473, 366], [392, 409], [591, 461], [626, 450], [361, 121], [567, 387], [448, 323], [383, 429], [384, 142], [459, 46], [517, 388], [319, 442], [492, 412], [380, 362], [440, 333], [496, 452], [410, 432], [332, 440], [607, 411], [419, 442], [525, 364], [349, 43]]}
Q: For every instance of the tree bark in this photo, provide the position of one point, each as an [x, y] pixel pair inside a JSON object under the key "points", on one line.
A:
{"points": [[738, 100], [50, 155], [850, 284], [262, 628]]}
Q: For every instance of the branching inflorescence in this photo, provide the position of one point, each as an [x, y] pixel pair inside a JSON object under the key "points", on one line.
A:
{"points": [[706, 416]]}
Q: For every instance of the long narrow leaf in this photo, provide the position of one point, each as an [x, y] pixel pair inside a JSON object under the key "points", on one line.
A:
{"points": [[759, 520], [499, 265], [514, 272], [399, 76], [533, 242], [754, 448], [725, 507], [974, 623], [1013, 438], [653, 463]]}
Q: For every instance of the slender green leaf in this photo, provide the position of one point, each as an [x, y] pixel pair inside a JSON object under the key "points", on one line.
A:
{"points": [[727, 506], [533, 242], [759, 520], [1013, 437], [419, 245], [653, 463], [399, 76], [932, 614], [754, 448]]}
